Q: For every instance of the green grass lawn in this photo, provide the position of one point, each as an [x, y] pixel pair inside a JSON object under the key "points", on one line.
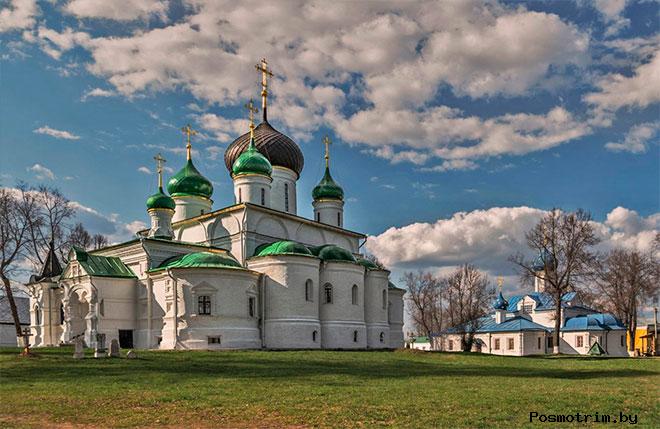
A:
{"points": [[319, 389]]}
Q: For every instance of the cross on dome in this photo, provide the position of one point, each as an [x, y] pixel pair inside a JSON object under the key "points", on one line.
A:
{"points": [[265, 74], [188, 131]]}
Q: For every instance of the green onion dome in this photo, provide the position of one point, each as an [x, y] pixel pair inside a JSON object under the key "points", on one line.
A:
{"points": [[251, 162], [370, 265], [214, 259], [282, 248], [160, 201], [327, 189], [330, 252], [189, 181]]}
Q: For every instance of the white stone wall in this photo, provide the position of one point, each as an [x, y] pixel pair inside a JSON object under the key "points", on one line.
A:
{"points": [[342, 322], [375, 308], [291, 315], [248, 189], [330, 212], [395, 310], [190, 206], [284, 181]]}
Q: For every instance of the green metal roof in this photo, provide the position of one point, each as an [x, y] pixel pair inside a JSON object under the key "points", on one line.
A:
{"points": [[101, 266], [330, 252], [251, 161], [214, 259], [189, 181], [327, 189], [282, 248], [370, 265], [160, 201], [391, 285]]}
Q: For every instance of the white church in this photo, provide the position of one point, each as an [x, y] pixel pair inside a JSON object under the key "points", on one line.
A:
{"points": [[253, 275]]}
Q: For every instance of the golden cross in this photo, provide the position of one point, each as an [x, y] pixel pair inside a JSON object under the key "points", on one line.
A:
{"points": [[251, 111], [265, 73], [159, 168], [188, 131], [500, 282], [327, 142]]}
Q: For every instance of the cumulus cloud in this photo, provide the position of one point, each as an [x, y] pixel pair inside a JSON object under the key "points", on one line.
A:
{"points": [[109, 225], [118, 10], [223, 129], [487, 238], [41, 172], [18, 15], [144, 170], [98, 92], [637, 138], [58, 134], [612, 13]]}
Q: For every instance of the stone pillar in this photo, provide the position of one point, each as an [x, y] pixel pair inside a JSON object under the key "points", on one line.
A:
{"points": [[66, 326]]}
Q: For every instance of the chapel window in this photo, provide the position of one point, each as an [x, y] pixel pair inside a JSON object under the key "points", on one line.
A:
{"points": [[451, 345], [314, 335], [309, 295], [550, 342], [251, 306], [528, 308], [328, 293], [511, 344], [37, 316], [538, 343], [497, 344], [354, 295], [204, 305], [263, 197], [382, 337], [286, 197], [355, 336], [338, 218], [240, 196], [214, 340], [623, 341], [579, 341], [318, 217]]}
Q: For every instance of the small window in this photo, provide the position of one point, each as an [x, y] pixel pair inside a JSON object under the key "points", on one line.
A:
{"points": [[382, 337], [511, 344], [355, 334], [538, 343], [204, 305], [286, 197], [61, 314], [214, 340], [579, 341], [328, 293], [37, 316], [314, 335], [318, 217], [263, 197], [623, 341], [251, 306], [497, 344], [338, 218], [309, 293], [354, 295], [451, 345], [528, 308], [550, 342], [240, 196], [384, 299]]}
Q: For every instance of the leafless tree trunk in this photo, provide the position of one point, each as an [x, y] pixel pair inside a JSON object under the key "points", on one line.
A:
{"points": [[624, 280], [468, 295], [424, 302], [564, 242], [18, 209]]}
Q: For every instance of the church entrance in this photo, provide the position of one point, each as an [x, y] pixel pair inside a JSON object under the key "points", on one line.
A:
{"points": [[126, 338]]}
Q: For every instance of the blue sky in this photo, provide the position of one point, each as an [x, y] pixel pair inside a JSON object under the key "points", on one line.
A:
{"points": [[434, 108]]}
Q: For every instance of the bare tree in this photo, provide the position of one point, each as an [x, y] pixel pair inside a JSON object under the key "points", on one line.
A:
{"points": [[99, 241], [563, 242], [424, 301], [625, 279], [18, 210], [79, 237], [469, 294]]}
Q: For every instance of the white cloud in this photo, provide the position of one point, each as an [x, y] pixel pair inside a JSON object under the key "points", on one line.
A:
{"points": [[58, 134], [637, 138], [118, 10], [616, 91], [144, 170], [41, 172], [612, 13], [223, 129], [453, 164], [98, 92], [109, 225], [18, 14]]}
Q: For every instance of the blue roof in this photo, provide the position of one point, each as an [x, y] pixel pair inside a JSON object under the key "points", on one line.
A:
{"points": [[593, 322], [544, 301], [515, 324]]}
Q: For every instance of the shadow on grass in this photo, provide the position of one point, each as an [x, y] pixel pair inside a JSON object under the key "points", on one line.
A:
{"points": [[56, 364]]}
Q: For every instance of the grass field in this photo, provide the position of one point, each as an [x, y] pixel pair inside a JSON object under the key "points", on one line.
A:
{"points": [[319, 389]]}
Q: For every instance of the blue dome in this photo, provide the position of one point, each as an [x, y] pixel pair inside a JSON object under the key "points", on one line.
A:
{"points": [[500, 303], [544, 259]]}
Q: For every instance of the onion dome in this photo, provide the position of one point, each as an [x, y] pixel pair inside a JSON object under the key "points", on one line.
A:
{"points": [[327, 189], [500, 303], [282, 248], [278, 148], [160, 201], [215, 259], [251, 162], [544, 259], [332, 253], [189, 181]]}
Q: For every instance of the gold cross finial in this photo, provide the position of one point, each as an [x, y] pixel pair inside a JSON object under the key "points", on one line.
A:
{"points": [[500, 282], [265, 73], [251, 111], [159, 168], [188, 131], [327, 142]]}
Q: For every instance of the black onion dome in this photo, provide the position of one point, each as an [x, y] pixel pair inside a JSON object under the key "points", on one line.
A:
{"points": [[277, 147]]}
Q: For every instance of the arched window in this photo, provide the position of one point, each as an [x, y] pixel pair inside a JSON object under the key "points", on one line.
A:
{"points": [[240, 196], [384, 299], [355, 336], [382, 337], [328, 293], [286, 197], [263, 197], [354, 295], [309, 291], [314, 334], [251, 306], [37, 315], [338, 218]]}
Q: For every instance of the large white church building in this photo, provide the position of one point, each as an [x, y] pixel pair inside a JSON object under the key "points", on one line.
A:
{"points": [[251, 275]]}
